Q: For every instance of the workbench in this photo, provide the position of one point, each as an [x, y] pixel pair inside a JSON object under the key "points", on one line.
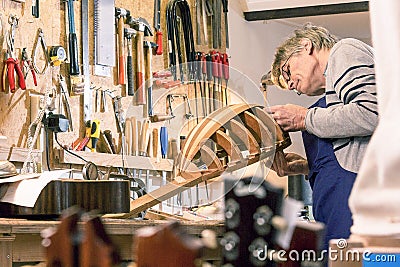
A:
{"points": [[20, 240]]}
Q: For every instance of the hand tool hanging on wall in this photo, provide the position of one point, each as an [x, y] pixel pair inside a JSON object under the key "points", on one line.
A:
{"points": [[221, 93], [129, 34], [143, 29], [215, 58], [209, 82], [40, 42], [199, 79], [204, 78], [164, 149], [197, 6], [118, 112], [148, 46], [206, 10], [225, 72], [27, 67], [144, 138], [35, 8], [171, 98], [157, 27], [11, 63], [174, 36], [225, 10], [57, 55], [94, 134], [72, 41], [120, 15], [87, 92], [218, 22], [64, 101], [104, 32]]}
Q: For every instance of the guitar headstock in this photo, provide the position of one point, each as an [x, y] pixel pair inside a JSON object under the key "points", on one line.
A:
{"points": [[257, 219], [251, 206]]}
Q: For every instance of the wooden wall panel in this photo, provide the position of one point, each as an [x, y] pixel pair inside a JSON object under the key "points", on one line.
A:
{"points": [[15, 108]]}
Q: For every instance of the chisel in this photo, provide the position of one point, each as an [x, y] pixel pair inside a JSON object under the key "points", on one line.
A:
{"points": [[225, 72], [209, 80], [143, 142]]}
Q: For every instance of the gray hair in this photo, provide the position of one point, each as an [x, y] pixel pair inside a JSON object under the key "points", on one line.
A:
{"points": [[319, 37]]}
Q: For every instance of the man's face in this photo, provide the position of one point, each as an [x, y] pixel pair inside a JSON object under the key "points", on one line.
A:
{"points": [[302, 73]]}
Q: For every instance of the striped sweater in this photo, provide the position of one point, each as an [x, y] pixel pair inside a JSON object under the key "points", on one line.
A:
{"points": [[351, 115]]}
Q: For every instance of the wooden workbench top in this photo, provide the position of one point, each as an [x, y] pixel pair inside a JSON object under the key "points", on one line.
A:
{"points": [[112, 226]]}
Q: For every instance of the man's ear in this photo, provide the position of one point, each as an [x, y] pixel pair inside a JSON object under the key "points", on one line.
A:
{"points": [[308, 46]]}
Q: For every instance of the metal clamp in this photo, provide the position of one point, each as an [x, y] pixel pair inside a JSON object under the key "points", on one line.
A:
{"points": [[40, 39], [170, 100]]}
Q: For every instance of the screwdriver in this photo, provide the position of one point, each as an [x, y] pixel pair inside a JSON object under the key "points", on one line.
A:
{"points": [[214, 60], [225, 72], [164, 149], [209, 79], [204, 73]]}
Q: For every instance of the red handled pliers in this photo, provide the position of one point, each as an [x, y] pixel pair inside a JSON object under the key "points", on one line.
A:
{"points": [[26, 64], [11, 61]]}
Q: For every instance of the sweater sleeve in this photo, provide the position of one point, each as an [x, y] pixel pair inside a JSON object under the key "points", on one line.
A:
{"points": [[350, 85]]}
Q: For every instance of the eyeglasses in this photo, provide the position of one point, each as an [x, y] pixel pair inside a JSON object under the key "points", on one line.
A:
{"points": [[286, 74]]}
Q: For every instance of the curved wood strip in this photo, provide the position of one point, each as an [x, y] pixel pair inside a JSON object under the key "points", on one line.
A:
{"points": [[282, 138], [207, 128], [210, 158], [228, 145], [238, 130], [262, 133]]}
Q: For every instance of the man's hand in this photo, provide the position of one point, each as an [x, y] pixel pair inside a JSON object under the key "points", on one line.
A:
{"points": [[289, 164], [290, 117]]}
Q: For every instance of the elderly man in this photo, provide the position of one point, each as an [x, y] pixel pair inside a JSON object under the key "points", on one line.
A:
{"points": [[337, 128]]}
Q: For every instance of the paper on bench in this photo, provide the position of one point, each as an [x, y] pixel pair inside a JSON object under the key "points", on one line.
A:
{"points": [[26, 192]]}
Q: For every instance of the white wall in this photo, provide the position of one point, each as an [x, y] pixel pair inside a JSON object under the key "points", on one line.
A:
{"points": [[252, 47]]}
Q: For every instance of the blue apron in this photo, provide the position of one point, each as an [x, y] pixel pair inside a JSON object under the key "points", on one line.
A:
{"points": [[331, 185]]}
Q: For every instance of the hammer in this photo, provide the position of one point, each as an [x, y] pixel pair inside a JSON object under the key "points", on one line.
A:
{"points": [[120, 14], [149, 75], [143, 29], [129, 33]]}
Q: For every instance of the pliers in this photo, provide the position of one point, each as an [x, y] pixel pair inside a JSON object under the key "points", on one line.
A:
{"points": [[11, 62], [27, 65]]}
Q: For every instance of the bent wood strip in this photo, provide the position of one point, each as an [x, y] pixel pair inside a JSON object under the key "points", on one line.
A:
{"points": [[228, 145], [207, 128], [210, 158], [282, 138], [238, 130], [262, 133]]}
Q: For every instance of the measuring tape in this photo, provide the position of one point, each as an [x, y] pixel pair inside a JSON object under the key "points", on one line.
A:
{"points": [[57, 55]]}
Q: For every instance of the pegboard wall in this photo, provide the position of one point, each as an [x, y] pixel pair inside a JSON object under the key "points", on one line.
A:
{"points": [[19, 109]]}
